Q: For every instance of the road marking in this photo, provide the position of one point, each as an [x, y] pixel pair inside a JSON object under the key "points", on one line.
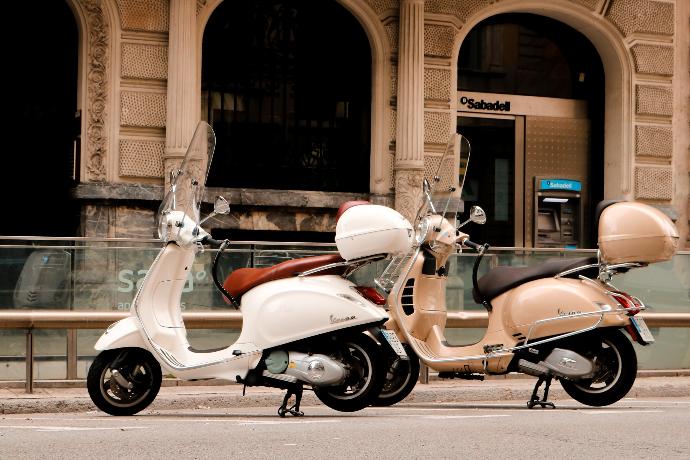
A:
{"points": [[646, 401], [71, 428], [235, 421], [502, 407], [281, 422], [619, 411], [441, 417]]}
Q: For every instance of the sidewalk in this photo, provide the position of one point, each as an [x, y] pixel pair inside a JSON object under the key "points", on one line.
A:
{"points": [[182, 395]]}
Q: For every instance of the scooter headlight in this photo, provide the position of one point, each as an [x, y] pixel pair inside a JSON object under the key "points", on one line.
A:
{"points": [[422, 230], [163, 228]]}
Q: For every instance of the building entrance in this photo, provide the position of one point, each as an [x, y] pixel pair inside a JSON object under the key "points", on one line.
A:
{"points": [[530, 101], [518, 162]]}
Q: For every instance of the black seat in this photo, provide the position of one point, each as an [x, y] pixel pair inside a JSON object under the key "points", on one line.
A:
{"points": [[502, 279]]}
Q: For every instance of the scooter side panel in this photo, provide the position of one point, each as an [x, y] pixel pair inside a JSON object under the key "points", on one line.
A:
{"points": [[552, 306], [124, 333], [292, 309]]}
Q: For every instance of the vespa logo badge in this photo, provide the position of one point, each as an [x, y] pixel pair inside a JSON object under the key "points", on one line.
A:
{"points": [[335, 319], [568, 363], [569, 313]]}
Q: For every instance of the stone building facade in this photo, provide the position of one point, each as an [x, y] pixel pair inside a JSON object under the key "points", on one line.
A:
{"points": [[140, 98]]}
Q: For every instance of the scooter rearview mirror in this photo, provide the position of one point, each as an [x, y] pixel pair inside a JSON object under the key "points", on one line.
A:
{"points": [[221, 206], [477, 215]]}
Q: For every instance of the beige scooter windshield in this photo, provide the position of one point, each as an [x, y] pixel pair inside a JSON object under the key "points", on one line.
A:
{"points": [[187, 183], [441, 193]]}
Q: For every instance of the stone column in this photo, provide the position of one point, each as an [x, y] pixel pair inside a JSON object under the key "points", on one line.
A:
{"points": [[681, 123], [182, 105], [409, 155]]}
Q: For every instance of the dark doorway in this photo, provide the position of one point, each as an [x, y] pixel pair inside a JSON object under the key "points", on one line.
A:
{"points": [[490, 179], [286, 86], [41, 122]]}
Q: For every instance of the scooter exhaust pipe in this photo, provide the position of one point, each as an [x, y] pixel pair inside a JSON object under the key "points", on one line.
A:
{"points": [[533, 369]]}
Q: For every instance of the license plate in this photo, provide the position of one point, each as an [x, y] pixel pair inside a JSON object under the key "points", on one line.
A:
{"points": [[394, 342], [642, 329]]}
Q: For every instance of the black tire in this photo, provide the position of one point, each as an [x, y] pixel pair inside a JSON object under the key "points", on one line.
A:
{"points": [[616, 368], [401, 377], [136, 366], [361, 354]]}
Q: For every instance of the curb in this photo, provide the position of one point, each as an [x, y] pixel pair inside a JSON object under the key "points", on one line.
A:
{"points": [[436, 392], [173, 382]]}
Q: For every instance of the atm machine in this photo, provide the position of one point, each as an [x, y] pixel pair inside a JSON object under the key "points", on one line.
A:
{"points": [[558, 212]]}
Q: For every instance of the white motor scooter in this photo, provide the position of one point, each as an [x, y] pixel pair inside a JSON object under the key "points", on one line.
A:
{"points": [[303, 321]]}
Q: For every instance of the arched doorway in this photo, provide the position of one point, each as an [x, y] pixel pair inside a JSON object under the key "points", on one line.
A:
{"points": [[531, 101], [43, 126], [287, 87]]}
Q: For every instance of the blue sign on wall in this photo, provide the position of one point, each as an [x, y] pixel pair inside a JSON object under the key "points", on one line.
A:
{"points": [[560, 184]]}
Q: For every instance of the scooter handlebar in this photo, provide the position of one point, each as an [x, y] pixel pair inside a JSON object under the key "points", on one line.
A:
{"points": [[470, 244], [211, 242]]}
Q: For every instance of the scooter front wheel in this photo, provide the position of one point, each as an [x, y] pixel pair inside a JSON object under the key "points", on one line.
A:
{"points": [[361, 356], [401, 378], [123, 381], [616, 368]]}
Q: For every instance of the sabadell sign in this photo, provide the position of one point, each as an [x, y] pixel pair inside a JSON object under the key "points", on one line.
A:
{"points": [[473, 104]]}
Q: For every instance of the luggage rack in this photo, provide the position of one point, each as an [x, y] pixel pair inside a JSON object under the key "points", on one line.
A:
{"points": [[392, 271]]}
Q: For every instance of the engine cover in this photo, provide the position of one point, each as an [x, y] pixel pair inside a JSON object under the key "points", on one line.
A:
{"points": [[568, 364], [315, 369]]}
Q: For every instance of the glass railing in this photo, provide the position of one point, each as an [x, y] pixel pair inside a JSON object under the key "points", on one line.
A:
{"points": [[103, 275]]}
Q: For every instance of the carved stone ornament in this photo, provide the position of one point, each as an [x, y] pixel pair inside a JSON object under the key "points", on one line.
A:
{"points": [[408, 192], [200, 4], [97, 88]]}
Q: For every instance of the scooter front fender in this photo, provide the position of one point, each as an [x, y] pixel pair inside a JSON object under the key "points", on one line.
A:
{"points": [[124, 333]]}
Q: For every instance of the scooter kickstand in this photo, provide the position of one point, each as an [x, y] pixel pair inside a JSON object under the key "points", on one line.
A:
{"points": [[294, 409], [534, 400]]}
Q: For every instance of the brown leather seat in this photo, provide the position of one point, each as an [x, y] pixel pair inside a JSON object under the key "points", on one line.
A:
{"points": [[243, 279]]}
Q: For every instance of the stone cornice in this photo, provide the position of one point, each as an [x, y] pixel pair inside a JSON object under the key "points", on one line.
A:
{"points": [[236, 196]]}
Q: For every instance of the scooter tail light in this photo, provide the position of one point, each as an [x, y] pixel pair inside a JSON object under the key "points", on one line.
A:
{"points": [[630, 303], [371, 294]]}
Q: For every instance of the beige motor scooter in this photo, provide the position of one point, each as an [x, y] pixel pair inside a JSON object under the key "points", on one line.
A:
{"points": [[562, 319]]}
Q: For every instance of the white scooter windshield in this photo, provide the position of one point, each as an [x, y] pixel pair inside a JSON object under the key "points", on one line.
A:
{"points": [[187, 183]]}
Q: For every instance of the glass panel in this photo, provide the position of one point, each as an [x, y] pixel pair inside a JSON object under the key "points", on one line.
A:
{"points": [[208, 339], [86, 339], [663, 287], [12, 354], [104, 276], [50, 354]]}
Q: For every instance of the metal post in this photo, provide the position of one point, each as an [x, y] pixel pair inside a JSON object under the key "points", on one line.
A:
{"points": [[29, 361], [71, 354], [423, 373]]}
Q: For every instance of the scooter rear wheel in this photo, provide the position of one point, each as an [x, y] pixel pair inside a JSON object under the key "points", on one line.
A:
{"points": [[360, 353], [616, 368], [124, 381], [401, 378]]}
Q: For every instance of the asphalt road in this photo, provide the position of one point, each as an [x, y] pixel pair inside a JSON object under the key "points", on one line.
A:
{"points": [[633, 428]]}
